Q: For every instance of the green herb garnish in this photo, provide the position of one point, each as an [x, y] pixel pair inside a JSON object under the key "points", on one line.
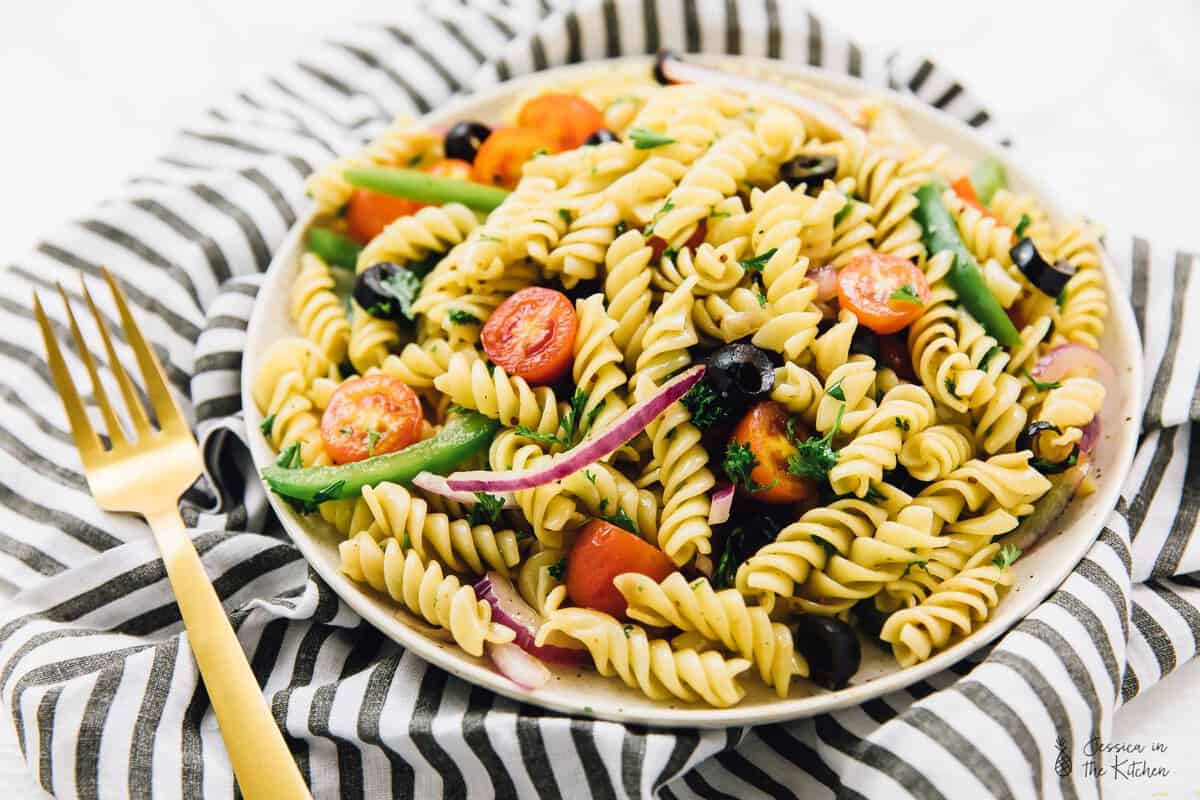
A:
{"points": [[815, 457], [836, 391], [373, 438], [906, 294], [329, 492], [706, 408], [739, 462], [1022, 226], [843, 212], [558, 570], [266, 425], [992, 352], [486, 509], [622, 520], [565, 215], [826, 545], [1006, 556], [647, 140], [902, 424], [757, 263], [1040, 386], [460, 317]]}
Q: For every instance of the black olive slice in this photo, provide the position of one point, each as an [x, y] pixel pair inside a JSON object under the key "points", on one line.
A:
{"points": [[464, 138], [831, 648], [812, 171]]}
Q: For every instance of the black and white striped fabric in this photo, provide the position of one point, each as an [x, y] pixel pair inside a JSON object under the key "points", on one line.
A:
{"points": [[95, 670]]}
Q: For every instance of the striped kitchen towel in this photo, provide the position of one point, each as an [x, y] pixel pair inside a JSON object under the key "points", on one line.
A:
{"points": [[95, 670]]}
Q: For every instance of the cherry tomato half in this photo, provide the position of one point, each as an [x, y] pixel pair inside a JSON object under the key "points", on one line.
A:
{"points": [[966, 192], [567, 119], [502, 155], [370, 416], [603, 551], [764, 429], [532, 335], [885, 292], [368, 212], [451, 168]]}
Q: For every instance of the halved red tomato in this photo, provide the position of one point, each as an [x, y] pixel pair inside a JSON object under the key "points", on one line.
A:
{"points": [[502, 155], [532, 335], [885, 292], [764, 429], [370, 416], [368, 212], [567, 119], [451, 168], [601, 552]]}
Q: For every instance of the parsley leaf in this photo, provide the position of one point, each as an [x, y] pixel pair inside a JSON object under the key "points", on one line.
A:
{"points": [[706, 408], [571, 427], [815, 457], [992, 352], [903, 424], [1040, 386], [487, 510], [1006, 556], [372, 438], [667, 206], [628, 629], [757, 263], [558, 570], [718, 214], [843, 212], [290, 457], [951, 388], [647, 140], [267, 424], [1062, 298], [538, 436], [622, 520], [826, 545], [565, 215], [836, 391], [460, 317], [1022, 226], [906, 294], [726, 572], [329, 492], [620, 228], [739, 463], [403, 287]]}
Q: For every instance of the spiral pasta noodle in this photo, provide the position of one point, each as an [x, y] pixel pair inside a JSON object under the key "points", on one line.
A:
{"points": [[316, 309], [469, 382], [401, 144], [433, 229]]}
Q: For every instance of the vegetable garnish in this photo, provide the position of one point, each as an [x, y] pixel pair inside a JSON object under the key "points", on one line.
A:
{"points": [[622, 520], [843, 212], [334, 248], [885, 293], [571, 427], [706, 408], [991, 353], [815, 457], [1040, 386], [906, 294], [760, 447], [267, 424], [940, 233], [647, 140], [756, 263], [1027, 440], [465, 433], [460, 317], [387, 290], [1022, 226], [421, 186], [624, 428], [722, 503], [558, 569], [487, 510], [1006, 556], [739, 462]]}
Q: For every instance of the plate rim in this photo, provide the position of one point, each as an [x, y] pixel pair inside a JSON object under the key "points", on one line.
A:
{"points": [[672, 715]]}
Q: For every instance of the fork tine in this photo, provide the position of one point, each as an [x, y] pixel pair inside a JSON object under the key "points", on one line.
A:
{"points": [[165, 406], [141, 423], [115, 433], [85, 437]]}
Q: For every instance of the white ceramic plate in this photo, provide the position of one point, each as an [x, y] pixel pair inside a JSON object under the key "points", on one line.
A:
{"points": [[582, 691]]}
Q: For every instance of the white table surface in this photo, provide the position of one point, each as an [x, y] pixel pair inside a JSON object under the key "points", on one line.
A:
{"points": [[1103, 99]]}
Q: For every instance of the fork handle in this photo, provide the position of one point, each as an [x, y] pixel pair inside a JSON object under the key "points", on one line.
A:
{"points": [[261, 761]]}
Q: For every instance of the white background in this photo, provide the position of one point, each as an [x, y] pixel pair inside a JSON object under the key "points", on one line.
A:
{"points": [[1102, 97]]}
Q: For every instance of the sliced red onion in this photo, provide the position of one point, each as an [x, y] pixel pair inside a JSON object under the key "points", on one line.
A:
{"points": [[821, 113], [722, 502], [436, 484], [519, 666], [1067, 360], [510, 610], [626, 426], [826, 280]]}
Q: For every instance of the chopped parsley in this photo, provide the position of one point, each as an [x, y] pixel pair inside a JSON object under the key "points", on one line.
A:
{"points": [[290, 457], [726, 572], [902, 424], [486, 510], [920, 563], [628, 629], [571, 427], [558, 569], [739, 462], [874, 495], [620, 228], [714, 214], [815, 457], [757, 263], [1022, 226], [843, 212], [460, 317], [1040, 386], [485, 237], [647, 140], [992, 352], [826, 545], [1006, 556], [1062, 298], [622, 520], [591, 476], [667, 206], [706, 408], [403, 287], [836, 391], [414, 160], [950, 387], [266, 425], [565, 215], [373, 438], [906, 294]]}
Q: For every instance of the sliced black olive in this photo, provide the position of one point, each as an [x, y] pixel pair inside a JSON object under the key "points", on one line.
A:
{"points": [[1048, 279], [865, 341], [831, 648], [812, 171], [660, 74], [602, 136], [740, 374], [387, 290], [752, 526], [869, 618], [464, 138], [1027, 439], [904, 481]]}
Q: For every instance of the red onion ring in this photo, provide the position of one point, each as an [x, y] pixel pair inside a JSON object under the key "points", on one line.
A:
{"points": [[510, 610], [826, 280], [722, 503], [626, 426], [436, 484], [519, 666]]}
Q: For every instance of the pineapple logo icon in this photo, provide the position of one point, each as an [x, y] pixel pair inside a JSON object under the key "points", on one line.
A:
{"points": [[1062, 763]]}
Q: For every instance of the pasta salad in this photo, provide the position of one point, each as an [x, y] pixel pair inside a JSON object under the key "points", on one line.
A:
{"points": [[687, 376]]}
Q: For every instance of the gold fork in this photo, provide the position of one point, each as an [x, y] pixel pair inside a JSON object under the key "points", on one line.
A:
{"points": [[147, 475]]}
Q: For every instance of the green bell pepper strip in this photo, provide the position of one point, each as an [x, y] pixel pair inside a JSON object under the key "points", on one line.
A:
{"points": [[425, 188], [987, 177], [939, 233], [334, 248], [466, 433]]}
